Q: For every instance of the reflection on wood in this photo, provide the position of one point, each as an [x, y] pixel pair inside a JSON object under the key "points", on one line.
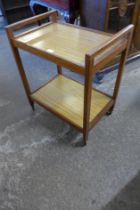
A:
{"points": [[56, 39], [66, 97]]}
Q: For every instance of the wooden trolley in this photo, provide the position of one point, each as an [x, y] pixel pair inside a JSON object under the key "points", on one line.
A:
{"points": [[79, 49]]}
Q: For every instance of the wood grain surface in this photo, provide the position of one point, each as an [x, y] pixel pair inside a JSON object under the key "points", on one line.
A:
{"points": [[66, 97], [69, 43]]}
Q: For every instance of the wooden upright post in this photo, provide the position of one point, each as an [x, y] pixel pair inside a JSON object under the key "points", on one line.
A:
{"points": [[20, 68], [87, 97]]}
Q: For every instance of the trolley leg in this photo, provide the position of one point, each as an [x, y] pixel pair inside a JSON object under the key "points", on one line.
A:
{"points": [[21, 70], [87, 98], [85, 137], [59, 69]]}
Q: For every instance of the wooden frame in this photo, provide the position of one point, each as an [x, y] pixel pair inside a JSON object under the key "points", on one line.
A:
{"points": [[134, 16], [85, 112]]}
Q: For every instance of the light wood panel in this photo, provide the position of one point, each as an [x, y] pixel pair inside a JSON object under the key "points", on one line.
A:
{"points": [[66, 97], [69, 43]]}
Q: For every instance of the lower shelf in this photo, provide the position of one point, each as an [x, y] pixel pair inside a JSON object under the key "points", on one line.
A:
{"points": [[65, 98]]}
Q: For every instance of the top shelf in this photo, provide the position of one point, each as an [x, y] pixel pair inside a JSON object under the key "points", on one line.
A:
{"points": [[64, 41]]}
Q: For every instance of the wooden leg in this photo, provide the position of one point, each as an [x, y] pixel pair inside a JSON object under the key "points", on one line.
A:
{"points": [[32, 105], [119, 76], [87, 98], [23, 76], [59, 69], [118, 81], [85, 137]]}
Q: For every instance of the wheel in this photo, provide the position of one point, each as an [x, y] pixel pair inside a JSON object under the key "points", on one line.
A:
{"points": [[109, 112]]}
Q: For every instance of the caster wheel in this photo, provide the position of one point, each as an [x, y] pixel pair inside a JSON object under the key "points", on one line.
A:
{"points": [[109, 113]]}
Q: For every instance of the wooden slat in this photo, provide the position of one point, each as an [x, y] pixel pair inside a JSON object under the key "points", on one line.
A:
{"points": [[66, 97]]}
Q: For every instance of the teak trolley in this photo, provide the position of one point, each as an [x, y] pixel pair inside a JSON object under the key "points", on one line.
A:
{"points": [[81, 50]]}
